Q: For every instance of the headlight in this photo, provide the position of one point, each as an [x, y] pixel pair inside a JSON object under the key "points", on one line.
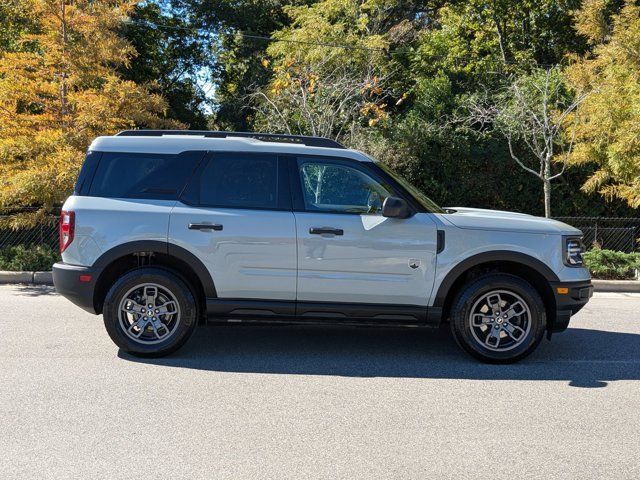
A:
{"points": [[573, 250]]}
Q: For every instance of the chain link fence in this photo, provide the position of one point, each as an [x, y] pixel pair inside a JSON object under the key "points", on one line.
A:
{"points": [[620, 234], [611, 233], [44, 232]]}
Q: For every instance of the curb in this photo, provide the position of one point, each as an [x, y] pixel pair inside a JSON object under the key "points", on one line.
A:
{"points": [[31, 278], [626, 286]]}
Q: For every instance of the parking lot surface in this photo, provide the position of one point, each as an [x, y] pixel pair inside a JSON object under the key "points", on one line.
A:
{"points": [[285, 402]]}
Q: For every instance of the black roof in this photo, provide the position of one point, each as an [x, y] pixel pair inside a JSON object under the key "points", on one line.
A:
{"points": [[265, 137]]}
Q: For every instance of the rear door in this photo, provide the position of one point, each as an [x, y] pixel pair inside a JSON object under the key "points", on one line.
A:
{"points": [[236, 217]]}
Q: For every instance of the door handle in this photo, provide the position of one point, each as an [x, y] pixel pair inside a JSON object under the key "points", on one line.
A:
{"points": [[326, 230], [205, 226]]}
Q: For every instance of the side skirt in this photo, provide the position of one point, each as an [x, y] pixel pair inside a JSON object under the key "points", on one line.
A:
{"points": [[276, 311]]}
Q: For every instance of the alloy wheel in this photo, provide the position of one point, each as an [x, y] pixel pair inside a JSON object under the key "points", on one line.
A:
{"points": [[149, 313], [500, 320]]}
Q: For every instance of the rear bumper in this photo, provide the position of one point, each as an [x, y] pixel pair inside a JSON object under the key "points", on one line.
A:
{"points": [[66, 279], [570, 303]]}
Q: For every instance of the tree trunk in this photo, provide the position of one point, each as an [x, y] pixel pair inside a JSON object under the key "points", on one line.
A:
{"points": [[63, 74], [547, 186], [547, 198]]}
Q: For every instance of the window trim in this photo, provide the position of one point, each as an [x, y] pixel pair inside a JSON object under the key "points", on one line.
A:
{"points": [[368, 168], [284, 197]]}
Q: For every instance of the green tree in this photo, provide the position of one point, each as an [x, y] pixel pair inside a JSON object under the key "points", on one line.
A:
{"points": [[532, 111], [330, 71], [237, 69], [457, 55], [171, 56]]}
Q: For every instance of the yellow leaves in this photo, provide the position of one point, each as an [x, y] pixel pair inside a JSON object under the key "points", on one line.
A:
{"points": [[608, 121], [591, 21], [278, 85], [55, 101], [375, 111], [372, 87], [311, 88]]}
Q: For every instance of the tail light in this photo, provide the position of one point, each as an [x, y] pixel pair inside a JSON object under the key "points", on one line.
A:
{"points": [[67, 229]]}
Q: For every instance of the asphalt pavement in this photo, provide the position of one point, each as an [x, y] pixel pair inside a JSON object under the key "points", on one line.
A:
{"points": [[284, 402]]}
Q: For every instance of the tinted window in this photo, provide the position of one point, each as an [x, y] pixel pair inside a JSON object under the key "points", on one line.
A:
{"points": [[240, 180], [143, 175], [330, 187], [87, 171]]}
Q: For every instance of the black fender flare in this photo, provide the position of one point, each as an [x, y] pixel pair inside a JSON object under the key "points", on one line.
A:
{"points": [[166, 248], [491, 256]]}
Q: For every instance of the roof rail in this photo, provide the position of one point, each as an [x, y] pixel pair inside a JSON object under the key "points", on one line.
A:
{"points": [[265, 137]]}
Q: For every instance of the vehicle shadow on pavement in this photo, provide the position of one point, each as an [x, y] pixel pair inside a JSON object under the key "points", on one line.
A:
{"points": [[584, 358], [35, 290]]}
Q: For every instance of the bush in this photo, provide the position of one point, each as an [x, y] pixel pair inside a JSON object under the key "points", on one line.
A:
{"points": [[611, 265], [28, 258]]}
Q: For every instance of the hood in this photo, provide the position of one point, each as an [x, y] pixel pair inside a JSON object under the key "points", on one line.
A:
{"points": [[481, 219]]}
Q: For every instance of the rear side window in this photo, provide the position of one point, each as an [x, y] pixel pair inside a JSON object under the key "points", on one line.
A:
{"points": [[143, 175], [240, 180], [86, 173]]}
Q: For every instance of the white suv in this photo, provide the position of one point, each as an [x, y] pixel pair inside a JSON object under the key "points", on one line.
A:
{"points": [[167, 228]]}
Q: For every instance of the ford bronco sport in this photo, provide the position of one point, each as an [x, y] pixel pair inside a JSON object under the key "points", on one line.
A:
{"points": [[167, 228]]}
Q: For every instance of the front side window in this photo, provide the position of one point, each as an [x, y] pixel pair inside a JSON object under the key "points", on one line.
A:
{"points": [[240, 180], [331, 187]]}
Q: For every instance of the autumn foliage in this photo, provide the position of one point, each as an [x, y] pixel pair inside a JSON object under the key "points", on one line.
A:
{"points": [[607, 133], [58, 90]]}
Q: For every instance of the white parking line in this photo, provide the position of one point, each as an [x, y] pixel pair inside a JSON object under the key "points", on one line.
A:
{"points": [[616, 295]]}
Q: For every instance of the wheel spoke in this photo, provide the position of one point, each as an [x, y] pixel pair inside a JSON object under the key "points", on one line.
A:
{"points": [[493, 338], [133, 307], [168, 308], [515, 310], [158, 328], [495, 302], [479, 319], [141, 324], [150, 294], [513, 331]]}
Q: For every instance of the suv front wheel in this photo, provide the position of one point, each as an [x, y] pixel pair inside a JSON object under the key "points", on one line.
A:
{"points": [[150, 312], [498, 318]]}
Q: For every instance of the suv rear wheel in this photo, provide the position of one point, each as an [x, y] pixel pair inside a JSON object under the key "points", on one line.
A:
{"points": [[150, 312], [498, 318]]}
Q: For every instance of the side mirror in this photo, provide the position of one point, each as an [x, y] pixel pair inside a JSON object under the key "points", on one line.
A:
{"points": [[394, 207]]}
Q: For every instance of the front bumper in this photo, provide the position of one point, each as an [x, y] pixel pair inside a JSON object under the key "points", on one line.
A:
{"points": [[567, 304], [68, 283]]}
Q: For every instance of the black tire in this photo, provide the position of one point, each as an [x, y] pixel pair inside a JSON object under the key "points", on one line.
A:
{"points": [[170, 284], [474, 293]]}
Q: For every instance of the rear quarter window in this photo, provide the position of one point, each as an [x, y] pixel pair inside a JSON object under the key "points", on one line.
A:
{"points": [[143, 175]]}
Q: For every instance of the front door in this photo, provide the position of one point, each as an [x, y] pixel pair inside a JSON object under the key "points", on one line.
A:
{"points": [[236, 217], [347, 251]]}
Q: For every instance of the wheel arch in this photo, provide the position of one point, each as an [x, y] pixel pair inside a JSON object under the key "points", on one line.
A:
{"points": [[532, 270], [128, 256]]}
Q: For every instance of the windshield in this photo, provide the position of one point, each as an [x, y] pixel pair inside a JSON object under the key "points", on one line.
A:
{"points": [[420, 197]]}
